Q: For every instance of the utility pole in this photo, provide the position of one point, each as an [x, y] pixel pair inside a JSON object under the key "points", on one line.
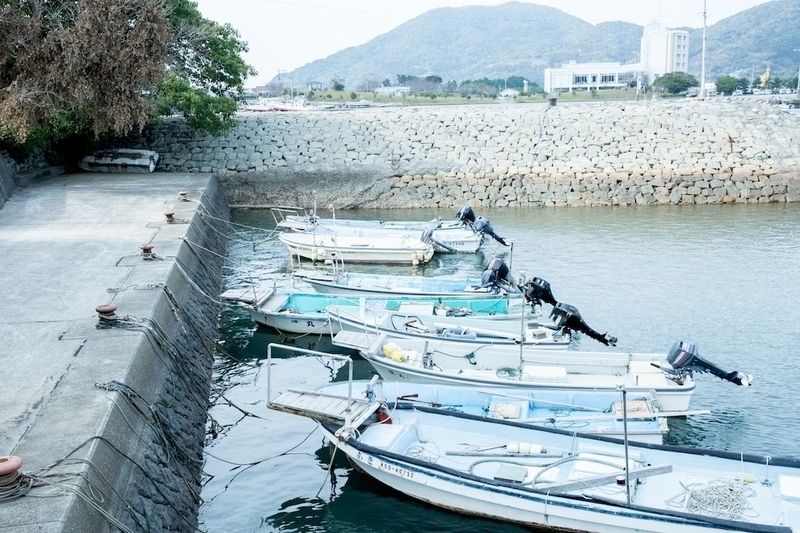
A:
{"points": [[703, 61]]}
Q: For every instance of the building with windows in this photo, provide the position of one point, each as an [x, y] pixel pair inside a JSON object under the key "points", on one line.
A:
{"points": [[574, 76], [662, 50]]}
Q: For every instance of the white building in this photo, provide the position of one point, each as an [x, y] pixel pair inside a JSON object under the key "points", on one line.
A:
{"points": [[574, 76], [663, 50]]}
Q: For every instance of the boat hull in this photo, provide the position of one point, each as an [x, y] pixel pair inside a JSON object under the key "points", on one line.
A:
{"points": [[490, 370], [587, 411], [379, 285], [444, 240], [574, 482], [456, 335], [506, 504], [328, 248], [303, 313]]}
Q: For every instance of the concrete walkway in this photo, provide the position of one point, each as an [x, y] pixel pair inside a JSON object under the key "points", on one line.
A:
{"points": [[68, 245]]}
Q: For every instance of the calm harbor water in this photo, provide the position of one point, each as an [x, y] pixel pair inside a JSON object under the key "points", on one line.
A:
{"points": [[724, 277]]}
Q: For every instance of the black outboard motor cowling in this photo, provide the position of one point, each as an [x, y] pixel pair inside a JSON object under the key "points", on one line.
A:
{"points": [[537, 291], [466, 215], [498, 276], [684, 357], [482, 225], [567, 317]]}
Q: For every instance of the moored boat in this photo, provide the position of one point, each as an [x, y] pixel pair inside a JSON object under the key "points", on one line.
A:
{"points": [[350, 249], [536, 476], [299, 312], [585, 411], [444, 240], [670, 375], [495, 280], [539, 476], [441, 233]]}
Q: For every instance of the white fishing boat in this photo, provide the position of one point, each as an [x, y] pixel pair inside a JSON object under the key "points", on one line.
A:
{"points": [[494, 281], [363, 284], [455, 240], [554, 478], [308, 221], [586, 411], [303, 312], [462, 235], [417, 360], [448, 334], [456, 337], [349, 249]]}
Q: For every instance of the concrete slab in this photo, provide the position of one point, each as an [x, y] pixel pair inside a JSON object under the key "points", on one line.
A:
{"points": [[68, 245]]}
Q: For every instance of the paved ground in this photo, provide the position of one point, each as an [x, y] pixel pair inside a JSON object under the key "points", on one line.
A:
{"points": [[68, 245]]}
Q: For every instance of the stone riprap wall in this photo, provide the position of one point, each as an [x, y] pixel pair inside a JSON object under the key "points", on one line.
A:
{"points": [[582, 154], [15, 173]]}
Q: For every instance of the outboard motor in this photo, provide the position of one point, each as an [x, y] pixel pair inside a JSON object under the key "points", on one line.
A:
{"points": [[466, 215], [482, 225], [439, 246], [684, 357], [497, 276], [567, 317], [537, 291]]}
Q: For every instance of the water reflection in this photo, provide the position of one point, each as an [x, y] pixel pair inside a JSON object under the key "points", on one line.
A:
{"points": [[354, 502]]}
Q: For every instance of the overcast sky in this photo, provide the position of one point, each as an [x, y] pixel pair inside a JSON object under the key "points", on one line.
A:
{"points": [[286, 34]]}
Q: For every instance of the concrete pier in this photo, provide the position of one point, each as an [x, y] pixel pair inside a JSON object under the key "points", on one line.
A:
{"points": [[108, 414]]}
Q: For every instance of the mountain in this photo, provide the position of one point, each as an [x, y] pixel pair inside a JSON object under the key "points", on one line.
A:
{"points": [[747, 43], [521, 39]]}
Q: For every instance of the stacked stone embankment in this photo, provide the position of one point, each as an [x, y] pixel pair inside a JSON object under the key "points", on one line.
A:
{"points": [[685, 151]]}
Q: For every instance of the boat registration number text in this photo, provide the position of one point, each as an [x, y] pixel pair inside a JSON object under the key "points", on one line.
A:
{"points": [[387, 467]]}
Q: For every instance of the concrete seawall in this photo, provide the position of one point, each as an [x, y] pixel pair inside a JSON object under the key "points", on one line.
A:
{"points": [[109, 415], [582, 154]]}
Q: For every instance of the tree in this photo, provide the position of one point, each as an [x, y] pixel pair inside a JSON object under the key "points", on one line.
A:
{"points": [[727, 84], [337, 84], [94, 67], [676, 82], [79, 66], [775, 82], [205, 75]]}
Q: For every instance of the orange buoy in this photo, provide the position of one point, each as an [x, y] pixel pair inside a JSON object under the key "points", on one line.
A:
{"points": [[9, 464]]}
